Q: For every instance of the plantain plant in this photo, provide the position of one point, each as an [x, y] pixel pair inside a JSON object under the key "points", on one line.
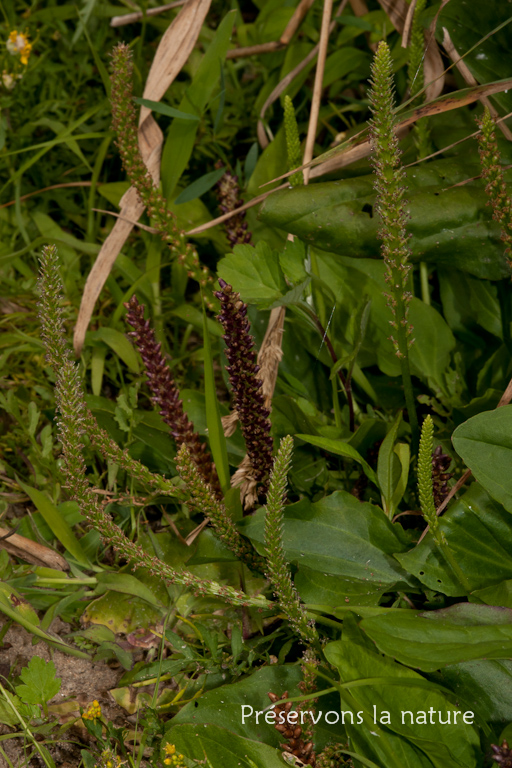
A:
{"points": [[381, 605]]}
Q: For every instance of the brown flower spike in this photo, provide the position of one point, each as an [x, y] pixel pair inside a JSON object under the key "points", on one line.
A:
{"points": [[502, 755], [291, 731], [228, 192], [242, 370], [166, 394]]}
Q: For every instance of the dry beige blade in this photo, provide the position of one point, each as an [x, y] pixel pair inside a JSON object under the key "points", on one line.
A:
{"points": [[406, 34], [31, 551], [397, 11], [433, 67], [172, 53], [470, 80]]}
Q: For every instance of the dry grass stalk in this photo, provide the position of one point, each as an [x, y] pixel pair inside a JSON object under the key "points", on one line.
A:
{"points": [[317, 89]]}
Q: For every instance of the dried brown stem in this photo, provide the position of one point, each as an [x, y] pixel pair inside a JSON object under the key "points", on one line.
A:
{"points": [[317, 89]]}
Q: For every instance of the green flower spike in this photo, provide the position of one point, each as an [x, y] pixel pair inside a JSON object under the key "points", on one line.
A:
{"points": [[391, 209], [292, 143], [204, 500], [124, 123], [492, 172], [277, 565], [425, 481]]}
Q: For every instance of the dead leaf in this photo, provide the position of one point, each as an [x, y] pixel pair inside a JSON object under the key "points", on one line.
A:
{"points": [[172, 53], [433, 67], [31, 552], [433, 70], [397, 12], [406, 34]]}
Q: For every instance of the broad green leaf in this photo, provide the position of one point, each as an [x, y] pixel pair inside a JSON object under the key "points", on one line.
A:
{"points": [[216, 436], [40, 682], [7, 715], [209, 549], [57, 524], [443, 744], [165, 109], [389, 467], [340, 448], [484, 442], [255, 273], [346, 61], [223, 706], [118, 343], [341, 536], [127, 585], [403, 451], [469, 303], [200, 186], [431, 640], [292, 261], [182, 133], [467, 25], [450, 226], [484, 683], [223, 748], [499, 594], [479, 535], [143, 598], [318, 588]]}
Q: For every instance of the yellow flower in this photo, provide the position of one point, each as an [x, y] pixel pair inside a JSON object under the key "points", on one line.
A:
{"points": [[93, 712], [172, 758], [18, 44]]}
